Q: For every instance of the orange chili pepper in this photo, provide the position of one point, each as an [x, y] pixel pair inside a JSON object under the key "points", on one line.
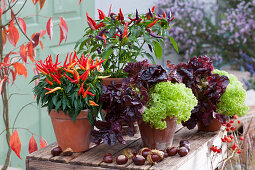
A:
{"points": [[85, 75], [91, 94], [153, 23], [92, 103], [72, 65], [81, 66], [69, 71], [77, 75], [81, 89], [85, 93], [53, 90], [41, 71], [49, 81], [104, 39]]}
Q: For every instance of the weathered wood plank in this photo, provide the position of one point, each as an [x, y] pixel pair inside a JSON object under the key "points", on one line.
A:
{"points": [[49, 165], [43, 154]]}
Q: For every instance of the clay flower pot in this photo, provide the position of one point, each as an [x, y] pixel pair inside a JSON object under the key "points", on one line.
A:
{"points": [[69, 134], [108, 81], [214, 125], [155, 138]]}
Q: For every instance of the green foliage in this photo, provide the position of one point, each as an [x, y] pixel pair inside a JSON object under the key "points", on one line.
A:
{"points": [[119, 50], [232, 101], [169, 99]]}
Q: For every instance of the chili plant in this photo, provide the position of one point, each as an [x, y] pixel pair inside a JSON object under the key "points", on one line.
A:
{"points": [[120, 40]]}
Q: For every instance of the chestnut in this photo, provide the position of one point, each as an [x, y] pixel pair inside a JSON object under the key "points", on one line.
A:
{"points": [[183, 151], [165, 154], [138, 159], [155, 156], [121, 159], [172, 151], [184, 141], [145, 152], [186, 146], [56, 151], [108, 158]]}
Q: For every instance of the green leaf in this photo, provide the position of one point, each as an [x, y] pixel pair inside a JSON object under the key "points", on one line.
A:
{"points": [[174, 44], [150, 57], [91, 118], [108, 51], [158, 49]]}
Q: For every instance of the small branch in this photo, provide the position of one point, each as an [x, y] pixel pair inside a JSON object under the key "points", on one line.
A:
{"points": [[18, 94], [10, 7], [22, 128]]}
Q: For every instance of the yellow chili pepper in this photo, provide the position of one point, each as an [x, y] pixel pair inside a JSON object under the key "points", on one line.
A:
{"points": [[53, 90], [92, 103], [69, 71], [72, 65]]}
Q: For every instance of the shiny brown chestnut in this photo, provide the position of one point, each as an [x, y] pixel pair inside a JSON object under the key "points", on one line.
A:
{"points": [[138, 160], [183, 151], [155, 156], [172, 151], [186, 146], [145, 152], [56, 151], [108, 158], [184, 141], [121, 159], [165, 154]]}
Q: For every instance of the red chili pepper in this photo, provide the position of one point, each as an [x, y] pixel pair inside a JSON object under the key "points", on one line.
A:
{"points": [[71, 80], [85, 93], [125, 30], [100, 62], [81, 66], [164, 14], [99, 25], [65, 60], [153, 23], [77, 76], [69, 71], [120, 16], [42, 71], [132, 19], [47, 88], [55, 78], [160, 18], [91, 94], [90, 20], [81, 89], [84, 76], [139, 20], [49, 81], [153, 9], [116, 34], [72, 65], [104, 39], [101, 14]]}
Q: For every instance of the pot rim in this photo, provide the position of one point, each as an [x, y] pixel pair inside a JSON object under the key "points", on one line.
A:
{"points": [[61, 115]]}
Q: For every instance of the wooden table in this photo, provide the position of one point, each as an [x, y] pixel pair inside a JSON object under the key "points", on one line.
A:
{"points": [[198, 157]]}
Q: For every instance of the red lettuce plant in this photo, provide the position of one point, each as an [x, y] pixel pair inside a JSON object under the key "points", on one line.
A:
{"points": [[125, 103], [206, 86]]}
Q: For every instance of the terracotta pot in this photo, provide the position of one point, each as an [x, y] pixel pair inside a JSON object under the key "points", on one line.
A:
{"points": [[108, 81], [155, 138], [69, 134], [215, 125]]}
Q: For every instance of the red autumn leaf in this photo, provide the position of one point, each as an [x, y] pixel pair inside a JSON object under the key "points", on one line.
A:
{"points": [[79, 2], [41, 44], [12, 14], [1, 13], [43, 142], [15, 143], [35, 1], [42, 33], [3, 4], [23, 53], [35, 38], [41, 3], [13, 35], [63, 30], [32, 147], [23, 25], [20, 68], [49, 28], [14, 75], [30, 51]]}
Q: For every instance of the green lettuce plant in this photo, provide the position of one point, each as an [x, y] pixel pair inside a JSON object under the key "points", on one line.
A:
{"points": [[169, 99], [232, 101]]}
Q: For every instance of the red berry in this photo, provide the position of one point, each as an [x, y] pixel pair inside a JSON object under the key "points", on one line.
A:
{"points": [[218, 150], [223, 140], [239, 121], [234, 146], [228, 125], [231, 121], [223, 124], [239, 151], [228, 139], [227, 129], [241, 138], [233, 128], [231, 136], [235, 117]]}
